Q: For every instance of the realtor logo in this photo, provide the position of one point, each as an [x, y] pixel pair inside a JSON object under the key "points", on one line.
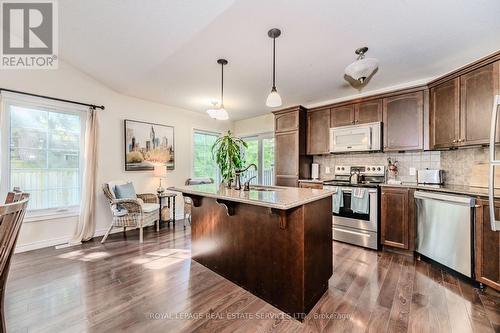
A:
{"points": [[29, 34]]}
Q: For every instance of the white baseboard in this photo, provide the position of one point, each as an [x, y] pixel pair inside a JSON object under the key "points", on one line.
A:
{"points": [[62, 240]]}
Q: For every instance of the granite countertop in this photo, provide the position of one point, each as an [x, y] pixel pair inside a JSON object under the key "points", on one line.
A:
{"points": [[274, 196], [447, 188], [316, 181]]}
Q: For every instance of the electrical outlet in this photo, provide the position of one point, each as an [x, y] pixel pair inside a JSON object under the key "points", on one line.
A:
{"points": [[413, 171], [327, 169]]}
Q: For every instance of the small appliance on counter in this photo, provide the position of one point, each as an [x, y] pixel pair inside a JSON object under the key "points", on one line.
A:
{"points": [[430, 177], [315, 171]]}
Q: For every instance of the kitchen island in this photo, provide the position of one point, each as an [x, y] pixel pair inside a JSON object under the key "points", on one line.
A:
{"points": [[275, 242]]}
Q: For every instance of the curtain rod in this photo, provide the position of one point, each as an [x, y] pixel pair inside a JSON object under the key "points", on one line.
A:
{"points": [[53, 98]]}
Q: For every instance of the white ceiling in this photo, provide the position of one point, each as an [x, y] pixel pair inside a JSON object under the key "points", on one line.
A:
{"points": [[166, 50]]}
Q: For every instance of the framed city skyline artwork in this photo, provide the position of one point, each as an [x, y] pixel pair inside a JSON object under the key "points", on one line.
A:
{"points": [[147, 145]]}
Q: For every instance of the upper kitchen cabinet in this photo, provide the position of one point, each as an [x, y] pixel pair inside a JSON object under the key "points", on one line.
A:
{"points": [[368, 112], [477, 91], [318, 132], [291, 161], [460, 106], [445, 114], [288, 121], [403, 117], [342, 116]]}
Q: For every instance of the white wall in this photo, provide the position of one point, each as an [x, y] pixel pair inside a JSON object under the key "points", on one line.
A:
{"points": [[69, 83], [255, 125]]}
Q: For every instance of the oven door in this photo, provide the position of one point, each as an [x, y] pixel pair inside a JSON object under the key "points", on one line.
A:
{"points": [[350, 138], [347, 218]]}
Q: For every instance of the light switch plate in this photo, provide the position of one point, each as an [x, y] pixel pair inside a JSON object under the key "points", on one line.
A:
{"points": [[413, 171], [327, 169]]}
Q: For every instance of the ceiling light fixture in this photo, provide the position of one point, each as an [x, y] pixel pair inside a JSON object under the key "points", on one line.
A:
{"points": [[274, 99], [220, 113], [363, 67]]}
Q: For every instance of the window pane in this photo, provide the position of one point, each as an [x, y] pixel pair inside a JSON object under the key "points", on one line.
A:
{"points": [[28, 158], [28, 118], [204, 165], [251, 156], [268, 161], [45, 156], [22, 138]]}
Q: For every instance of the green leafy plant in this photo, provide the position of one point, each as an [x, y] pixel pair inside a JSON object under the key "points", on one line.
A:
{"points": [[228, 154]]}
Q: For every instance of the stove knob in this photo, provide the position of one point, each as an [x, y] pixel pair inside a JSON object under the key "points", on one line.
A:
{"points": [[342, 168], [379, 169]]}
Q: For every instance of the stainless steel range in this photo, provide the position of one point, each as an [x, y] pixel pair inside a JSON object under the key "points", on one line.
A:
{"points": [[359, 228]]}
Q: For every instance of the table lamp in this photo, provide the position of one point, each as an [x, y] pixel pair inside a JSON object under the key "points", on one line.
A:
{"points": [[161, 172]]}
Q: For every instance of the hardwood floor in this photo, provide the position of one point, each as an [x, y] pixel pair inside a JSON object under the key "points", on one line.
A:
{"points": [[155, 287]]}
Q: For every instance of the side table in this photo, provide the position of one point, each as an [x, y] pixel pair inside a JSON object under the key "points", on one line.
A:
{"points": [[170, 197]]}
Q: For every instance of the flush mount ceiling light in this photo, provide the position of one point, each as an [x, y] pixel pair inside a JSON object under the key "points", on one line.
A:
{"points": [[274, 99], [363, 67], [220, 113]]}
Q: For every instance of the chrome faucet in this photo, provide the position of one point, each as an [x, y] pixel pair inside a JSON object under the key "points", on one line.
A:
{"points": [[237, 176]]}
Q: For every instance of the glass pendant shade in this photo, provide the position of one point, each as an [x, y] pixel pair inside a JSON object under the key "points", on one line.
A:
{"points": [[274, 99], [218, 114], [362, 69]]}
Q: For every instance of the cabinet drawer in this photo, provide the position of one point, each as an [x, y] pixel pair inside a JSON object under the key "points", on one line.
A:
{"points": [[318, 186]]}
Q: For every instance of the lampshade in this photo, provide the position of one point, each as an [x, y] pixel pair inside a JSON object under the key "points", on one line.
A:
{"points": [[219, 114], [362, 69], [273, 99], [160, 171]]}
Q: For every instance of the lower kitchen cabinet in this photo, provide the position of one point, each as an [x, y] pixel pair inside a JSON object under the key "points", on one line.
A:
{"points": [[487, 246], [398, 218]]}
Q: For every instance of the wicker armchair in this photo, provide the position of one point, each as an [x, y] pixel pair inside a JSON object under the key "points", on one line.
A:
{"points": [[131, 213], [188, 204]]}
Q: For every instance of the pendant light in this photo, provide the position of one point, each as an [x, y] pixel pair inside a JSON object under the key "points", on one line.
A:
{"points": [[220, 113], [363, 67], [274, 99]]}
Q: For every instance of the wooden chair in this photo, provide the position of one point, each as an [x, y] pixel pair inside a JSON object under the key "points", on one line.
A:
{"points": [[11, 218], [187, 201]]}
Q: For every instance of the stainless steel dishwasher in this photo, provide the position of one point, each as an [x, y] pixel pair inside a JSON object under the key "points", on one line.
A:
{"points": [[444, 229]]}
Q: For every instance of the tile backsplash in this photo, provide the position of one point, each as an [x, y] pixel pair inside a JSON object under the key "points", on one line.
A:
{"points": [[457, 164]]}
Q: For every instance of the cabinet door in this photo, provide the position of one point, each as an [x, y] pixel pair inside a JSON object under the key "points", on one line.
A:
{"points": [[368, 112], [478, 89], [318, 132], [287, 154], [487, 246], [394, 217], [342, 116], [445, 114], [403, 122], [288, 121]]}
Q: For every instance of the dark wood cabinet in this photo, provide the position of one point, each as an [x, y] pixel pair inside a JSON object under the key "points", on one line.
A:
{"points": [[487, 246], [460, 108], [445, 114], [368, 112], [397, 218], [342, 116], [477, 91], [291, 161], [318, 132], [403, 122]]}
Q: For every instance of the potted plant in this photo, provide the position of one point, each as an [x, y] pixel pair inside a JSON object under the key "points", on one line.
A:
{"points": [[227, 152]]}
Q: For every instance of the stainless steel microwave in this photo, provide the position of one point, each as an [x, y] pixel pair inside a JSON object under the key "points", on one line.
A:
{"points": [[354, 138]]}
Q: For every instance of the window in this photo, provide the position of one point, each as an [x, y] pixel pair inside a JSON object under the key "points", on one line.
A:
{"points": [[204, 165], [43, 155], [260, 151]]}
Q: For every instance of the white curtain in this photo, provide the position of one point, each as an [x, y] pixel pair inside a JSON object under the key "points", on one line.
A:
{"points": [[85, 228]]}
